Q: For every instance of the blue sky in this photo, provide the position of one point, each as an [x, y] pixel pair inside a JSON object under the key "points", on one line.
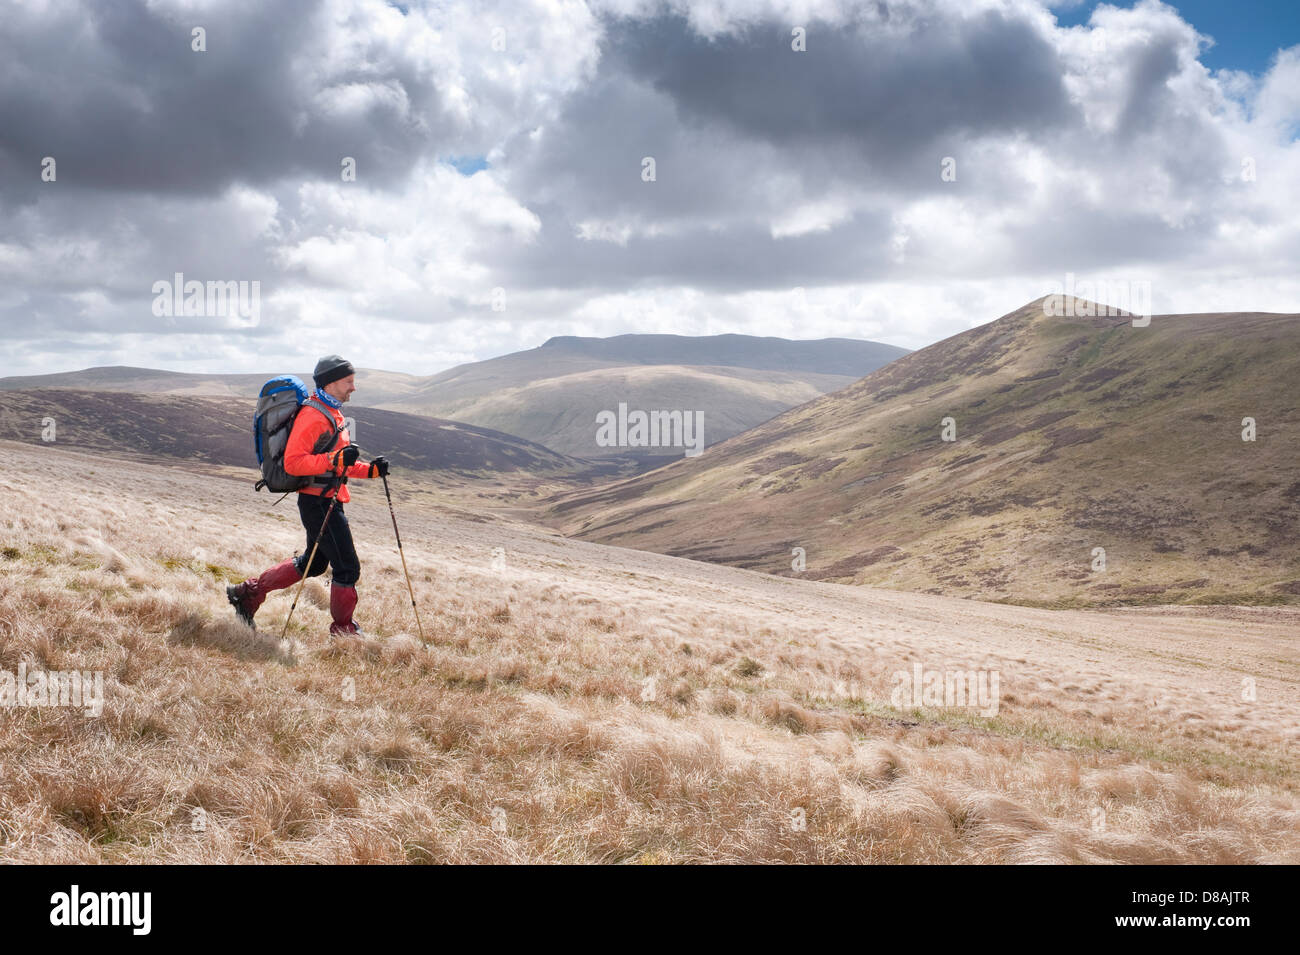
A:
{"points": [[1247, 33]]}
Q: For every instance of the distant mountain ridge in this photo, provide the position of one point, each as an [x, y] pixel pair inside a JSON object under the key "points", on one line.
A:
{"points": [[826, 356], [551, 395]]}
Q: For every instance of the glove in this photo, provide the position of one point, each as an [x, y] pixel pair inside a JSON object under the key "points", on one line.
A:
{"points": [[379, 467], [345, 457]]}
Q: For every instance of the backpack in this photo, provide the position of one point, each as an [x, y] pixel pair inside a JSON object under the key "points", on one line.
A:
{"points": [[278, 404]]}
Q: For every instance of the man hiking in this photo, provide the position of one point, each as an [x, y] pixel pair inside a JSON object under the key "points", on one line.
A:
{"points": [[311, 453]]}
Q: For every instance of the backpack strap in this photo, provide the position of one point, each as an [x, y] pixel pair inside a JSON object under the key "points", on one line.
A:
{"points": [[325, 443], [314, 402]]}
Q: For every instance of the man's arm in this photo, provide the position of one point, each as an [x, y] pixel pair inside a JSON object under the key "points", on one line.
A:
{"points": [[307, 430]]}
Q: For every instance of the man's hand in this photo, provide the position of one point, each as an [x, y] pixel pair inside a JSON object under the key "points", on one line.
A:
{"points": [[345, 457], [379, 467]]}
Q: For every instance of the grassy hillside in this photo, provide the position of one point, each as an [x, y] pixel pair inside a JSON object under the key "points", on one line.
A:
{"points": [[1071, 434], [219, 431], [562, 411], [576, 703]]}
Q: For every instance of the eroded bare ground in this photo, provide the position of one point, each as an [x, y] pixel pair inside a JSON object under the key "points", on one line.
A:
{"points": [[584, 703]]}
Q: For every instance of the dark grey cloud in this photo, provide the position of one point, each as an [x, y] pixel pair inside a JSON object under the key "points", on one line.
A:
{"points": [[890, 94], [744, 130], [863, 107], [114, 92]]}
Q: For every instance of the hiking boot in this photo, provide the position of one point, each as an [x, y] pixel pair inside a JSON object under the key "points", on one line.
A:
{"points": [[240, 599], [343, 600], [249, 595]]}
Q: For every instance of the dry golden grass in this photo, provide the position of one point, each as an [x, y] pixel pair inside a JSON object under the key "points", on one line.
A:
{"points": [[587, 704]]}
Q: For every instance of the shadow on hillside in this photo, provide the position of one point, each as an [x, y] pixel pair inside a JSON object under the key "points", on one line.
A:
{"points": [[229, 636]]}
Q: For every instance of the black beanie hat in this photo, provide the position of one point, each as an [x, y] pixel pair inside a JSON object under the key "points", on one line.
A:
{"points": [[331, 368]]}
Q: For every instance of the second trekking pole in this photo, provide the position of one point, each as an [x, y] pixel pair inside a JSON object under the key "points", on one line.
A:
{"points": [[402, 554]]}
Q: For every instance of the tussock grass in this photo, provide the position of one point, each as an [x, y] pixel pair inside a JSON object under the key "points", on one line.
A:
{"points": [[593, 705]]}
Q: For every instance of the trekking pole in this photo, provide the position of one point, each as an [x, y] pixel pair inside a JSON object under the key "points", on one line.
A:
{"points": [[402, 554], [307, 566]]}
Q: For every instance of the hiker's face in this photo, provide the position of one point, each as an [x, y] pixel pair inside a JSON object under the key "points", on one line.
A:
{"points": [[342, 389]]}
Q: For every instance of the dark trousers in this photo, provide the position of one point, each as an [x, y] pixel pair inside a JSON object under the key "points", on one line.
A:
{"points": [[336, 550]]}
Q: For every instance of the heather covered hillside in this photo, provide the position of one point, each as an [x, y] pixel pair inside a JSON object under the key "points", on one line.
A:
{"points": [[1091, 462], [219, 431]]}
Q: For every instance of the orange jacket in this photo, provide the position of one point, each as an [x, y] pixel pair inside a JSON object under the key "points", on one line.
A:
{"points": [[308, 428]]}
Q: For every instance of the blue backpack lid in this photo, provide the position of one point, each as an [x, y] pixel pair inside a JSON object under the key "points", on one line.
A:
{"points": [[284, 382]]}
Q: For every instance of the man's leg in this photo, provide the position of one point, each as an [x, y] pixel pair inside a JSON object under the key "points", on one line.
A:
{"points": [[347, 571], [336, 551], [248, 596], [312, 508]]}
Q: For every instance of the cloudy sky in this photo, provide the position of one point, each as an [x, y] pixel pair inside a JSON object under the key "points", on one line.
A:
{"points": [[502, 191]]}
